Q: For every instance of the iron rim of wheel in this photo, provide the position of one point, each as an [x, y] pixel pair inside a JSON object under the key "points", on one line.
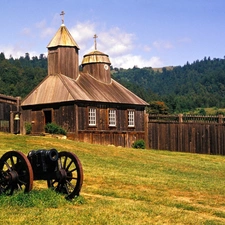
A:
{"points": [[70, 179], [16, 173]]}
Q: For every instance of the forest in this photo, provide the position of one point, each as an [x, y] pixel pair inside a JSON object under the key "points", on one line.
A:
{"points": [[177, 89], [200, 84], [19, 76]]}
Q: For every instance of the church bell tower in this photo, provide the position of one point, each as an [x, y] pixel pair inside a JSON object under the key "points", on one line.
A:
{"points": [[63, 56]]}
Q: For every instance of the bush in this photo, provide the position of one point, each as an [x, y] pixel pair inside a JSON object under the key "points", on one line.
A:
{"points": [[139, 144], [28, 128], [53, 128]]}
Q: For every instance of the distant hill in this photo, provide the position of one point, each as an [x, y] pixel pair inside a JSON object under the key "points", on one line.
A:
{"points": [[183, 88], [19, 76], [161, 69]]}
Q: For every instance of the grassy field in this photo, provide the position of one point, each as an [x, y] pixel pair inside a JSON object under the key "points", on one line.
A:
{"points": [[209, 111], [122, 186]]}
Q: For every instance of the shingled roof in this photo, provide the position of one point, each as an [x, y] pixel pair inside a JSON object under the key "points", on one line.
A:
{"points": [[60, 88], [62, 38]]}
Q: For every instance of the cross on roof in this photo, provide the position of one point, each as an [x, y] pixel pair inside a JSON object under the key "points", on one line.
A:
{"points": [[95, 37], [62, 15]]}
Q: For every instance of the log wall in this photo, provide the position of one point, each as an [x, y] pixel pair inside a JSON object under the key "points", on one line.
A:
{"points": [[194, 134]]}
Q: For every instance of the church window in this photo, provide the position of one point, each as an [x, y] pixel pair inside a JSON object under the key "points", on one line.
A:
{"points": [[131, 121], [92, 117], [112, 117]]}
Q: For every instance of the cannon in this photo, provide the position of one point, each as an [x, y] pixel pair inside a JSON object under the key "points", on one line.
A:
{"points": [[62, 171]]}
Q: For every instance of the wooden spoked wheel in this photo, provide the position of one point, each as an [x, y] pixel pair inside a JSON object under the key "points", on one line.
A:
{"points": [[15, 173], [70, 178]]}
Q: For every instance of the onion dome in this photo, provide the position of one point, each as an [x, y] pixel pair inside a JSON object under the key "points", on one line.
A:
{"points": [[96, 57]]}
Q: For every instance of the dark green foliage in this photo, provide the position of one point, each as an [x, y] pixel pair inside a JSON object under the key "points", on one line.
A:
{"points": [[157, 107], [139, 144], [28, 128], [19, 76], [202, 112], [197, 85], [53, 128]]}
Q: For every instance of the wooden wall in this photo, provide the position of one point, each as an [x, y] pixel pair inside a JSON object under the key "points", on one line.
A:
{"points": [[117, 138], [120, 135], [63, 60], [9, 106], [74, 119], [62, 115], [194, 134], [102, 117], [99, 71]]}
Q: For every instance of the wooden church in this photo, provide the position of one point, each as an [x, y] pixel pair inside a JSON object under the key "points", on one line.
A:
{"points": [[89, 105]]}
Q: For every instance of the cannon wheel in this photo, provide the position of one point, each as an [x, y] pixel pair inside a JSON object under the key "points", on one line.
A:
{"points": [[70, 177], [15, 173]]}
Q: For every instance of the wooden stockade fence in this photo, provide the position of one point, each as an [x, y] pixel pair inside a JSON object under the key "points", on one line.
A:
{"points": [[187, 133]]}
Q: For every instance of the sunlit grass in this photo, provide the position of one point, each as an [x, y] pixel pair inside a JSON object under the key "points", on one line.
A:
{"points": [[122, 186]]}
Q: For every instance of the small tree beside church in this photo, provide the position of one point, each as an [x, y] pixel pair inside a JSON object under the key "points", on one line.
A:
{"points": [[157, 107]]}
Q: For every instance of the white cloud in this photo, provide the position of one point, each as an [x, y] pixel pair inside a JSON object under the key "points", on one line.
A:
{"points": [[129, 61], [113, 42], [162, 44], [116, 42], [83, 34], [16, 51]]}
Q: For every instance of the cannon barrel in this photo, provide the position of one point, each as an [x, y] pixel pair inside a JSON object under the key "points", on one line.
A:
{"points": [[47, 155], [43, 161]]}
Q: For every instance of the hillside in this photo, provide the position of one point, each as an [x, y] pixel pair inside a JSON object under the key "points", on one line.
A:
{"points": [[122, 186], [182, 88], [197, 85], [19, 76]]}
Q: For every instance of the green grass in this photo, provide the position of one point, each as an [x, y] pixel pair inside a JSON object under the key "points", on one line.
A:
{"points": [[209, 111], [122, 186]]}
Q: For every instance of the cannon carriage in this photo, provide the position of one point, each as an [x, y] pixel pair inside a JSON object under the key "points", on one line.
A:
{"points": [[62, 171]]}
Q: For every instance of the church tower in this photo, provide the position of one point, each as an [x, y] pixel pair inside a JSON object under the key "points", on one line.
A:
{"points": [[63, 56], [97, 64]]}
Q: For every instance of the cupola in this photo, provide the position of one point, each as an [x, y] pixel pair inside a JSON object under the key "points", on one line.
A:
{"points": [[97, 64]]}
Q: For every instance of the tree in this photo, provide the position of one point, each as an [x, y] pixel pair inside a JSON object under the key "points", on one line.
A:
{"points": [[2, 56], [157, 107], [27, 56]]}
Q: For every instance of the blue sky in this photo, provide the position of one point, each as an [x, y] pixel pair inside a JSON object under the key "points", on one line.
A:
{"points": [[139, 33]]}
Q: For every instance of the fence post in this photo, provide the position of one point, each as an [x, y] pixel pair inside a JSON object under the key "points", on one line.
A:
{"points": [[146, 120], [220, 118], [180, 118]]}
